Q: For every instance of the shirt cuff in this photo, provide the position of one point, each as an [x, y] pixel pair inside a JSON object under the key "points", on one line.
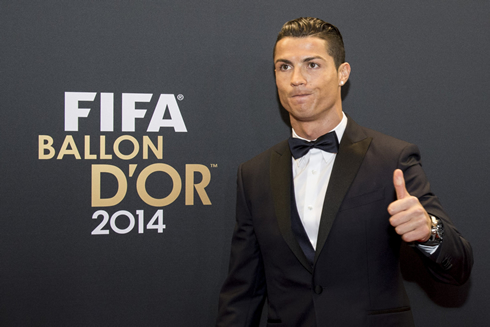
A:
{"points": [[427, 249]]}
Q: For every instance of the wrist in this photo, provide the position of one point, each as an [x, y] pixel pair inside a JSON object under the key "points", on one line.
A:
{"points": [[436, 232]]}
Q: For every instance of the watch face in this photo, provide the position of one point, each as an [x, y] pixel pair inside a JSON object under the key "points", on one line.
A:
{"points": [[436, 232]]}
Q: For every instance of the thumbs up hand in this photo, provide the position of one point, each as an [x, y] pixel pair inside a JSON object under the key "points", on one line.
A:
{"points": [[408, 216]]}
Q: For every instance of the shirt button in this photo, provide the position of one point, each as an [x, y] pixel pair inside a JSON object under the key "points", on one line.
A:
{"points": [[313, 171], [310, 207]]}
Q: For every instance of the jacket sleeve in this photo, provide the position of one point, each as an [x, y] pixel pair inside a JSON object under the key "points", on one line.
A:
{"points": [[243, 293], [453, 260]]}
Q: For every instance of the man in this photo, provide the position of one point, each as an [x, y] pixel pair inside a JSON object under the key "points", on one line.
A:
{"points": [[319, 225]]}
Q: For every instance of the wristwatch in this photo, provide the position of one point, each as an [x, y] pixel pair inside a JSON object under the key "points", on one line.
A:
{"points": [[436, 232]]}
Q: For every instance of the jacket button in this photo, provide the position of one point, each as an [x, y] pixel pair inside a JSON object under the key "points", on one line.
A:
{"points": [[318, 289], [446, 263]]}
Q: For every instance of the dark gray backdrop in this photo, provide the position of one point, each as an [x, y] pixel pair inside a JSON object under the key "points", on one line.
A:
{"points": [[420, 72]]}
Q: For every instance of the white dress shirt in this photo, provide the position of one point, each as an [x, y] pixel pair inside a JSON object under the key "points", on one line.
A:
{"points": [[311, 174]]}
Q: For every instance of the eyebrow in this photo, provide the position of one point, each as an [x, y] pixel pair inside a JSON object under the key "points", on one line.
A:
{"points": [[313, 58], [283, 60], [304, 60]]}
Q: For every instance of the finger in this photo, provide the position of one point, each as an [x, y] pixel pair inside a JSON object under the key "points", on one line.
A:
{"points": [[400, 218], [411, 225], [405, 223], [416, 236], [402, 205], [399, 183]]}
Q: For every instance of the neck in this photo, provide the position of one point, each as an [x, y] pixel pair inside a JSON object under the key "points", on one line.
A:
{"points": [[311, 130]]}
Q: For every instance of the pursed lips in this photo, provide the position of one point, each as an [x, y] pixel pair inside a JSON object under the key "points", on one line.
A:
{"points": [[300, 95]]}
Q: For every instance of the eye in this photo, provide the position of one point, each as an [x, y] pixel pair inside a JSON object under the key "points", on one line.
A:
{"points": [[313, 65], [284, 67]]}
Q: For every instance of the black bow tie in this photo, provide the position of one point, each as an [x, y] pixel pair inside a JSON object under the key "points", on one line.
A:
{"points": [[327, 142]]}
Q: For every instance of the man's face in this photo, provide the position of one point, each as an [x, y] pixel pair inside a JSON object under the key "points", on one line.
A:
{"points": [[307, 80]]}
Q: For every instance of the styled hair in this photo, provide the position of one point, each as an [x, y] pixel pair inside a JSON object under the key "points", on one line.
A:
{"points": [[309, 26]]}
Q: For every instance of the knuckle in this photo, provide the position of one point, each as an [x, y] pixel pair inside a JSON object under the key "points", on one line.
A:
{"points": [[406, 238], [419, 211], [413, 200]]}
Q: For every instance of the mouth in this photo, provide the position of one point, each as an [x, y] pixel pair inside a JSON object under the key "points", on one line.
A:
{"points": [[300, 95]]}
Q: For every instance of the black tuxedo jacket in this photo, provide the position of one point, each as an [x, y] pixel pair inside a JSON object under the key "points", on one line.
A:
{"points": [[355, 279]]}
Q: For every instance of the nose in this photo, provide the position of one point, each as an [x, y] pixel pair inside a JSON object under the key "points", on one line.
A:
{"points": [[298, 77]]}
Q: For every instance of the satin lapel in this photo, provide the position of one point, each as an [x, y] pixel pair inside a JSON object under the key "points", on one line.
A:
{"points": [[353, 148], [281, 174]]}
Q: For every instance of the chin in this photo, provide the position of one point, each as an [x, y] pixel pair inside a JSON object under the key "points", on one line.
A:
{"points": [[302, 112]]}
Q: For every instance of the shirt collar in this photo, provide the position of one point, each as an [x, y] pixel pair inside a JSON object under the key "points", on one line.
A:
{"points": [[339, 130]]}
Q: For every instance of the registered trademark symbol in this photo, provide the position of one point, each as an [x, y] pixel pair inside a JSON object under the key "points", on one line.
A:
{"points": [[180, 97]]}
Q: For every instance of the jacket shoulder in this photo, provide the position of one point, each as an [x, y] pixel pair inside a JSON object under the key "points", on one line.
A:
{"points": [[263, 158], [385, 139], [390, 145]]}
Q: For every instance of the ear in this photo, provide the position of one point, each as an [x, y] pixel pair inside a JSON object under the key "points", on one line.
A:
{"points": [[343, 73]]}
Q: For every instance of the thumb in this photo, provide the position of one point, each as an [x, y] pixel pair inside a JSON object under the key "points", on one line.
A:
{"points": [[399, 182]]}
